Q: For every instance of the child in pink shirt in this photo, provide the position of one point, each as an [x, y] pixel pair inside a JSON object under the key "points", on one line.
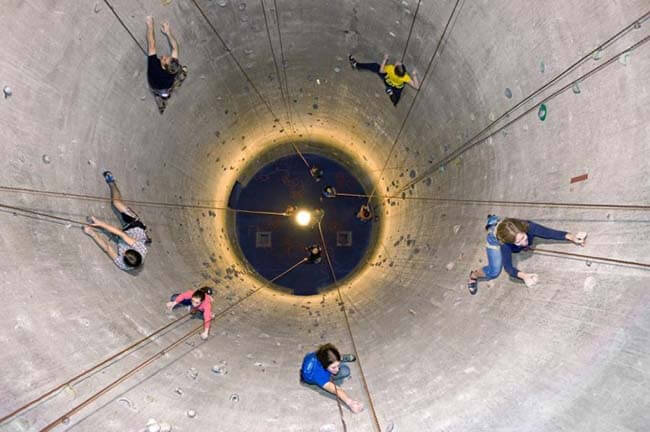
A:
{"points": [[200, 301]]}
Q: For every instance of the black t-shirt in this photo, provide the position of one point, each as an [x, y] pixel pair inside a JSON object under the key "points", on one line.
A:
{"points": [[158, 77]]}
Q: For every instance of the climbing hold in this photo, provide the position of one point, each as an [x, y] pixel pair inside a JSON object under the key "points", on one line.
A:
{"points": [[219, 370], [234, 397], [392, 34], [598, 54], [242, 6], [637, 25], [542, 67], [508, 93], [126, 402], [166, 2], [588, 263], [259, 364], [97, 8], [450, 266], [7, 91], [590, 283], [624, 58], [412, 312], [337, 69], [542, 112], [46, 159], [165, 427], [65, 420], [391, 427], [327, 428], [576, 88], [412, 173], [223, 3], [317, 81], [191, 413], [193, 373], [152, 426], [243, 18], [456, 229], [178, 391]]}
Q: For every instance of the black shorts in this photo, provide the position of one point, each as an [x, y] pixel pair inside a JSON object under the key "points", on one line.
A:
{"points": [[129, 221]]}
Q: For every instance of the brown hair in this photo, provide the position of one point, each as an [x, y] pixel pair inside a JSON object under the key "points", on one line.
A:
{"points": [[509, 228], [327, 354]]}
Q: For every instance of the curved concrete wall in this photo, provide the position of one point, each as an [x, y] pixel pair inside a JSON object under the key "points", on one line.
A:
{"points": [[569, 354]]}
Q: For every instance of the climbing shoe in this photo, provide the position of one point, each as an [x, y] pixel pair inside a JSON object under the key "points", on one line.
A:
{"points": [[348, 358], [472, 285], [108, 176], [353, 62]]}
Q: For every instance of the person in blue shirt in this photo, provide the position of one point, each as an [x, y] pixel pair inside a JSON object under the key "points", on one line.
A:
{"points": [[324, 368], [509, 236]]}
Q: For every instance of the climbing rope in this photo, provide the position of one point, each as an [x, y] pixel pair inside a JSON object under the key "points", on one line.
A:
{"points": [[81, 197], [88, 371], [234, 58], [596, 206], [412, 105], [288, 270], [42, 214], [408, 39], [591, 257], [471, 144], [65, 418], [119, 19], [354, 345]]}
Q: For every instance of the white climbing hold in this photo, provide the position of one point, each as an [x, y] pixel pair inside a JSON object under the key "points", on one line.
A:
{"points": [[624, 58], [46, 159], [598, 54], [391, 427], [327, 428], [456, 229], [153, 426], [7, 91], [191, 413], [412, 312], [317, 81], [178, 391], [590, 284], [259, 364], [337, 69], [223, 3], [576, 88], [193, 373], [165, 427], [450, 266], [392, 34]]}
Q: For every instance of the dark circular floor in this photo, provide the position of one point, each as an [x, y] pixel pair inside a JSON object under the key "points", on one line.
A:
{"points": [[272, 244]]}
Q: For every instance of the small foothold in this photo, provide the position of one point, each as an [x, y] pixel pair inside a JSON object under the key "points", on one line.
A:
{"points": [[411, 311], [222, 3], [542, 67], [576, 88], [68, 226], [637, 25], [598, 54], [193, 373], [7, 91], [91, 163], [391, 427], [97, 8], [542, 112], [258, 364], [456, 229], [191, 413], [152, 426], [234, 397], [450, 266], [588, 263], [46, 159], [624, 58], [327, 428], [590, 283], [178, 391], [392, 34], [143, 97], [508, 93], [165, 427], [337, 69], [65, 420], [242, 6]]}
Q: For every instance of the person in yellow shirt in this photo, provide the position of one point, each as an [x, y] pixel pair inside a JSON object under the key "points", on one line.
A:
{"points": [[393, 75]]}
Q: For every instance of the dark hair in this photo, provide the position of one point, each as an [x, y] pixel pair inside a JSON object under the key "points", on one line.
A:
{"points": [[327, 354], [132, 258], [508, 229], [400, 70], [174, 66], [202, 292]]}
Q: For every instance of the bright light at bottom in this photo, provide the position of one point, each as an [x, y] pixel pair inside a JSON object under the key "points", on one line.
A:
{"points": [[303, 217]]}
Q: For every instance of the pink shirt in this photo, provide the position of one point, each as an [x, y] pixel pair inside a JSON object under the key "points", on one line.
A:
{"points": [[205, 307]]}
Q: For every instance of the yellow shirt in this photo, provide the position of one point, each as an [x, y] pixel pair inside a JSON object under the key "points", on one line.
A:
{"points": [[393, 79]]}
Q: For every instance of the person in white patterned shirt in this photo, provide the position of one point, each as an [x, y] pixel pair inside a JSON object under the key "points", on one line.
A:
{"points": [[130, 247]]}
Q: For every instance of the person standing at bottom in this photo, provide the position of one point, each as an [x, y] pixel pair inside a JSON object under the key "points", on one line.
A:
{"points": [[324, 368], [201, 303], [132, 240], [393, 75]]}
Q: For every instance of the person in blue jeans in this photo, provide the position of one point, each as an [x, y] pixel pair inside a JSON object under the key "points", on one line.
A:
{"points": [[324, 368], [509, 236]]}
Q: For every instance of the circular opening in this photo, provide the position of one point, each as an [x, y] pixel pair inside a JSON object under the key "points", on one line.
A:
{"points": [[301, 220]]}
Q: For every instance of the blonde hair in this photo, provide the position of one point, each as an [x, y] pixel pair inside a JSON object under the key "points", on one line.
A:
{"points": [[508, 229]]}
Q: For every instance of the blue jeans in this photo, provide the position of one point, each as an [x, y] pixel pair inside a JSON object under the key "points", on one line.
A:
{"points": [[344, 372], [493, 251]]}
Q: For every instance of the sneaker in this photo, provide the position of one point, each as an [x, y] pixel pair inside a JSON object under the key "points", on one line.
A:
{"points": [[348, 358], [353, 62], [472, 285], [108, 176]]}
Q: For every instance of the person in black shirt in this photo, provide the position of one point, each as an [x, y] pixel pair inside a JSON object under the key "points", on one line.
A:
{"points": [[161, 72]]}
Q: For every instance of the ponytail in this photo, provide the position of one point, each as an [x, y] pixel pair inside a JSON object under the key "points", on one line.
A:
{"points": [[202, 292]]}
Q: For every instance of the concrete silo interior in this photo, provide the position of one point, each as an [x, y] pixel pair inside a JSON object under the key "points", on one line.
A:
{"points": [[534, 112]]}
